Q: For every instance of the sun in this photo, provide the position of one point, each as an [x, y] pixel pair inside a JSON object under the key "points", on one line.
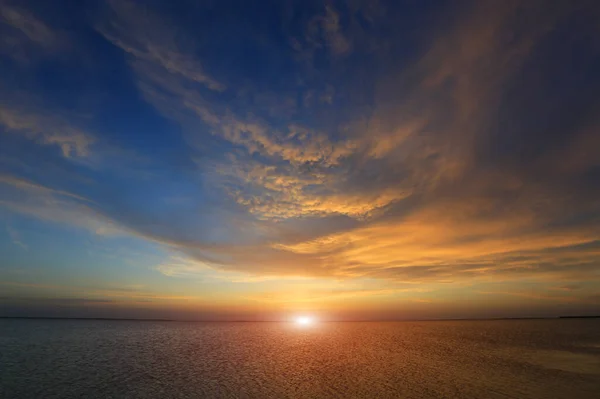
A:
{"points": [[304, 320]]}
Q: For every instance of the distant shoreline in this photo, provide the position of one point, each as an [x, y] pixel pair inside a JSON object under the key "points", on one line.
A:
{"points": [[280, 321]]}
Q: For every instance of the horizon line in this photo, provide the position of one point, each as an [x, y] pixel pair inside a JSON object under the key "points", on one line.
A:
{"points": [[288, 321]]}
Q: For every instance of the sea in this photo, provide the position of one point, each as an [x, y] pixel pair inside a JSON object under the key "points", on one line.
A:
{"points": [[557, 358]]}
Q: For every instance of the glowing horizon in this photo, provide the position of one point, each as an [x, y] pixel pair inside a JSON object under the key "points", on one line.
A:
{"points": [[304, 320]]}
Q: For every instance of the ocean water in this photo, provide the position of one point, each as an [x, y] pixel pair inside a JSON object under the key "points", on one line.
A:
{"points": [[446, 359]]}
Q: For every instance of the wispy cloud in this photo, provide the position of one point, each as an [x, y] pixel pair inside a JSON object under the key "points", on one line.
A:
{"points": [[23, 33], [58, 206], [326, 29], [144, 35], [35, 187], [310, 296], [89, 294], [47, 129], [423, 169]]}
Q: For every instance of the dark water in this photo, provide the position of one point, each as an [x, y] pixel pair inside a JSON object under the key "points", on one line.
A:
{"points": [[463, 359]]}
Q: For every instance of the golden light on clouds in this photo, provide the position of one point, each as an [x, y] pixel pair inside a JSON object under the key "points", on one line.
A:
{"points": [[342, 164]]}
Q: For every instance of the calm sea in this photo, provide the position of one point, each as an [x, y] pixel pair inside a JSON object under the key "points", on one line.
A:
{"points": [[448, 359]]}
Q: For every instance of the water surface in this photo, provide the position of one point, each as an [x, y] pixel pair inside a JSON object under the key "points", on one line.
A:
{"points": [[446, 359]]}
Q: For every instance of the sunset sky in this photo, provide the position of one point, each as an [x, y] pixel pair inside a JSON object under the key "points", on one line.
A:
{"points": [[253, 160]]}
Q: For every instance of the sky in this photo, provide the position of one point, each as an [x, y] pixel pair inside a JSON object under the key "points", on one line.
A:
{"points": [[353, 160]]}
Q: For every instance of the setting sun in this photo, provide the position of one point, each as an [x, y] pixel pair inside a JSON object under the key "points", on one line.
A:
{"points": [[304, 320]]}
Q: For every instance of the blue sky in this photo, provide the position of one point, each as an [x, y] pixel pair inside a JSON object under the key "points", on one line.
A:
{"points": [[353, 159]]}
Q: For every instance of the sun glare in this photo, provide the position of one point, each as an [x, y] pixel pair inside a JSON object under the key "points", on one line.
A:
{"points": [[304, 320]]}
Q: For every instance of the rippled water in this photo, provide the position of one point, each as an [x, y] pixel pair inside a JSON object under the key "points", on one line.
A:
{"points": [[462, 359]]}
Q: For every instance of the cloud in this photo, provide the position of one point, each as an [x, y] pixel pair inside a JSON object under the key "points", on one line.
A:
{"points": [[144, 36], [328, 295], [328, 27], [46, 129], [53, 205], [15, 237], [292, 158], [75, 295], [35, 187], [301, 188], [409, 171], [182, 266], [23, 33], [425, 169]]}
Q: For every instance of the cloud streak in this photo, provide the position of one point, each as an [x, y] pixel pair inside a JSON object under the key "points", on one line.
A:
{"points": [[47, 130], [144, 36]]}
